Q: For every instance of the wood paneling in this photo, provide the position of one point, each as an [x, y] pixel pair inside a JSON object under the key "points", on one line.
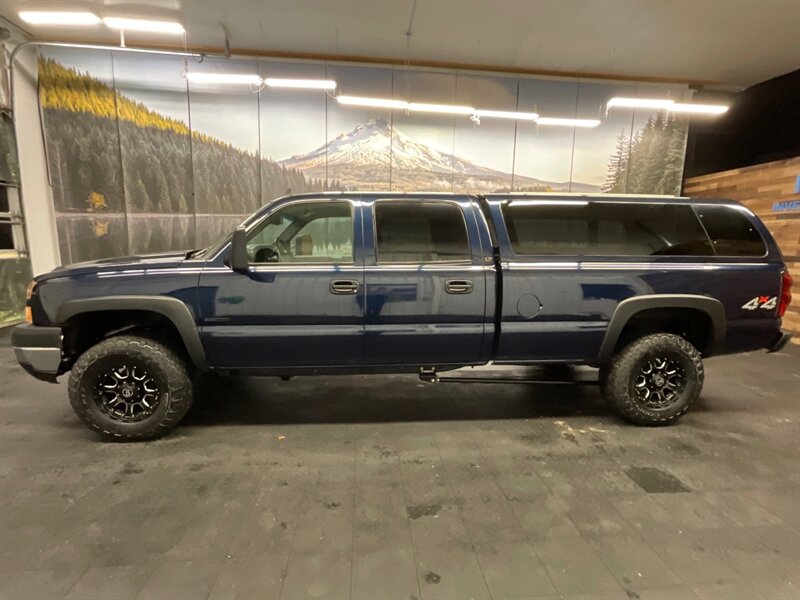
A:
{"points": [[759, 188]]}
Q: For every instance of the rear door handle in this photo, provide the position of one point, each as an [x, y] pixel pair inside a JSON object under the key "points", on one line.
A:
{"points": [[344, 286], [458, 286]]}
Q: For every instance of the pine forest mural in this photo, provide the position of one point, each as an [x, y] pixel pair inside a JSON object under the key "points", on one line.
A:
{"points": [[140, 162]]}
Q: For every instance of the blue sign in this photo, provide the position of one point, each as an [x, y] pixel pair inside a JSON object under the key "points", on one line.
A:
{"points": [[784, 205]]}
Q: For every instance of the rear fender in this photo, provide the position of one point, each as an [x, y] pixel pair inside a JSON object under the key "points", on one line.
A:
{"points": [[630, 307]]}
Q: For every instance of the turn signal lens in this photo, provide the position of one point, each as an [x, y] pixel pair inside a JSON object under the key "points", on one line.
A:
{"points": [[28, 314], [29, 291], [786, 293]]}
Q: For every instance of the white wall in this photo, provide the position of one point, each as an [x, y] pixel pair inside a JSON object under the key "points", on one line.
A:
{"points": [[36, 194]]}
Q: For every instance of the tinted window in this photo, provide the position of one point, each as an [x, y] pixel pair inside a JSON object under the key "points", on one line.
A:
{"points": [[6, 236], [304, 232], [417, 231], [602, 228], [731, 232]]}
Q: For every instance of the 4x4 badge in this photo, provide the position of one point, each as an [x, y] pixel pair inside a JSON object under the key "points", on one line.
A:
{"points": [[764, 302]]}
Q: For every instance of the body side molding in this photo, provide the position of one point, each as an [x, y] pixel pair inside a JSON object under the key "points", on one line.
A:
{"points": [[628, 308], [172, 308]]}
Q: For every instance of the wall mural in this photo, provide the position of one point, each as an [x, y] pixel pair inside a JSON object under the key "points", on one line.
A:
{"points": [[143, 161]]}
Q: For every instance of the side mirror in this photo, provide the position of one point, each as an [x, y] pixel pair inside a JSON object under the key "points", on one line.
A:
{"points": [[238, 258]]}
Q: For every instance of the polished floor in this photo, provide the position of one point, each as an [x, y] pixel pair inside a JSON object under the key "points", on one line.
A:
{"points": [[385, 487]]}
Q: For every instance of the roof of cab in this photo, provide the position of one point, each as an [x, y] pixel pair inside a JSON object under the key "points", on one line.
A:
{"points": [[597, 197]]}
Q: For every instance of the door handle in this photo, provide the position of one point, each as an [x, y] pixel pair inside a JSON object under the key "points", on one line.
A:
{"points": [[458, 286], [344, 286]]}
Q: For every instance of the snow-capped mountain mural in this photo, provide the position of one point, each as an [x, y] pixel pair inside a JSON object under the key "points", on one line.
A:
{"points": [[139, 161], [361, 157]]}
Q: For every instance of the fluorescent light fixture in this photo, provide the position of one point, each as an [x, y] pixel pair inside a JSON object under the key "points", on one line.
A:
{"points": [[503, 114], [233, 78], [48, 17], [666, 104], [549, 203], [309, 84], [640, 103], [568, 122], [449, 109], [372, 102], [700, 109], [143, 25]]}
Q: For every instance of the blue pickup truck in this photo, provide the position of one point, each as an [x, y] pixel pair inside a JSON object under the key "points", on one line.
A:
{"points": [[643, 288]]}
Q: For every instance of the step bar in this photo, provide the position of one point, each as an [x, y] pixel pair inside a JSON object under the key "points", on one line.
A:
{"points": [[429, 375]]}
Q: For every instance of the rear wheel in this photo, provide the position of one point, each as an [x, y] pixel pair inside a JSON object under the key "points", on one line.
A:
{"points": [[654, 380], [130, 388]]}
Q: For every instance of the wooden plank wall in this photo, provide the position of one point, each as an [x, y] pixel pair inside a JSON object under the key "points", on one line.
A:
{"points": [[759, 188]]}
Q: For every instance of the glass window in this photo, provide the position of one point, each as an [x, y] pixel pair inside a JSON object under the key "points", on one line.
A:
{"points": [[304, 232], [420, 231], [731, 232], [6, 231], [5, 205], [6, 236], [605, 229], [8, 149]]}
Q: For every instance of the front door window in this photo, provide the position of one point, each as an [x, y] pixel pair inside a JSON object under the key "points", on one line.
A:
{"points": [[304, 233]]}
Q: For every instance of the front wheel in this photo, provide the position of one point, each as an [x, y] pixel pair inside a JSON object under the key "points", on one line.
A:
{"points": [[654, 380], [130, 388]]}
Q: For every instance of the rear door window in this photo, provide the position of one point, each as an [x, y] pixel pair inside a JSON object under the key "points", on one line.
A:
{"points": [[731, 232], [604, 229], [420, 232]]}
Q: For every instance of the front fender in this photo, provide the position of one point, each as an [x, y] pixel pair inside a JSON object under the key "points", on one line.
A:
{"points": [[173, 309]]}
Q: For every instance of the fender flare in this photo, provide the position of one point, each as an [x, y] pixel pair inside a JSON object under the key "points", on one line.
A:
{"points": [[172, 308], [628, 308]]}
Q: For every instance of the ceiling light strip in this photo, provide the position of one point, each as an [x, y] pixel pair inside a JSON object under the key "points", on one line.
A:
{"points": [[126, 24], [667, 104], [568, 122], [448, 109], [640, 103], [503, 114], [52, 17], [309, 84], [700, 109]]}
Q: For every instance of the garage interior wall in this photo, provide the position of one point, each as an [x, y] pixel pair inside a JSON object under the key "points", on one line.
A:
{"points": [[15, 259], [141, 160], [771, 191]]}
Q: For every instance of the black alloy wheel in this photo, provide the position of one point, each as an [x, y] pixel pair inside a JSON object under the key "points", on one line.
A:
{"points": [[660, 382], [131, 387], [654, 380], [127, 392]]}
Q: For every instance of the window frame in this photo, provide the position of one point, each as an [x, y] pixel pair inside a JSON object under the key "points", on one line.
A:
{"points": [[15, 222], [458, 207], [637, 257], [300, 265]]}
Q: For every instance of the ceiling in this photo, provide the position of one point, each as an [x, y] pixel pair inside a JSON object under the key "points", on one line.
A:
{"points": [[725, 43]]}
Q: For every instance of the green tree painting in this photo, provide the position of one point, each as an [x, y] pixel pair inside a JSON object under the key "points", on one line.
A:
{"points": [[150, 167], [651, 162]]}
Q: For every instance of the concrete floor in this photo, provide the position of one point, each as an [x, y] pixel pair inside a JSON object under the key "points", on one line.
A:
{"points": [[383, 487]]}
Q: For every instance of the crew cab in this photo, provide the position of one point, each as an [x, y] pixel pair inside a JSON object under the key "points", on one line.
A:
{"points": [[643, 288]]}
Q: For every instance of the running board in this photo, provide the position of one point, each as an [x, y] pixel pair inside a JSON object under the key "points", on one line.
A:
{"points": [[431, 376]]}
